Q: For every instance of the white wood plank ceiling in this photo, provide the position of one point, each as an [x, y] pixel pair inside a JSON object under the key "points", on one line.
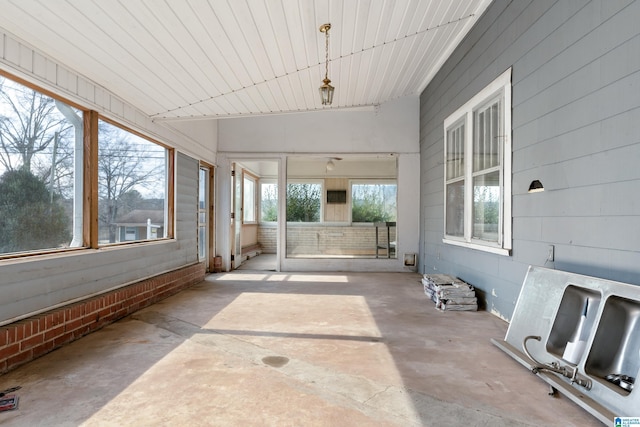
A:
{"points": [[192, 59]]}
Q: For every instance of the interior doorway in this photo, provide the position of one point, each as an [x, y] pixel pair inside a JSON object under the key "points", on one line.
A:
{"points": [[254, 221]]}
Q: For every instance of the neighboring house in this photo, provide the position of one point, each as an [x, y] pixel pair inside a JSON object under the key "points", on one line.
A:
{"points": [[140, 225]]}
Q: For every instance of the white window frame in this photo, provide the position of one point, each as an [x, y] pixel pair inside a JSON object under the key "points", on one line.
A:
{"points": [[372, 181], [249, 213], [322, 202], [500, 87], [266, 181]]}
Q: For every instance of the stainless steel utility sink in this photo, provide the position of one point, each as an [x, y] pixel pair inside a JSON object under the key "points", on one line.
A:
{"points": [[557, 309]]}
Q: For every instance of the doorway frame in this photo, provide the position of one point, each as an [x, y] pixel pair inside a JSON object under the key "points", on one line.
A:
{"points": [[224, 199]]}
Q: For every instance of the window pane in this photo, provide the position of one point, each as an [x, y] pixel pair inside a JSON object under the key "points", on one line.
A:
{"points": [[303, 202], [486, 153], [249, 200], [486, 206], [132, 186], [373, 202], [269, 202], [40, 193], [455, 152], [455, 209], [202, 188], [203, 185]]}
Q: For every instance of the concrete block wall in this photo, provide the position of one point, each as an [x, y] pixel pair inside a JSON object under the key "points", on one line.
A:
{"points": [[327, 240], [268, 239], [30, 338]]}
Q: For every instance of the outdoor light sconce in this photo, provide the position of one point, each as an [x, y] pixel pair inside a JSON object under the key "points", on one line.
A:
{"points": [[535, 186], [326, 90]]}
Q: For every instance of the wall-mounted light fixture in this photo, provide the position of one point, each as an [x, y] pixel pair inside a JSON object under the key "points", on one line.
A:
{"points": [[330, 165], [326, 90], [535, 186]]}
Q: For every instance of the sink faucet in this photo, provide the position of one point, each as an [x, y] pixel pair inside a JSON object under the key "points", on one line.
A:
{"points": [[570, 372]]}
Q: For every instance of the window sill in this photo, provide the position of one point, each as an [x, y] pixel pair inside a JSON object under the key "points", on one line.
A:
{"points": [[492, 249]]}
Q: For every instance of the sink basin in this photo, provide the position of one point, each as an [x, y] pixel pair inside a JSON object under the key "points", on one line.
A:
{"points": [[567, 318], [616, 345]]}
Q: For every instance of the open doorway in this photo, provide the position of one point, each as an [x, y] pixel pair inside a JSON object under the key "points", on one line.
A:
{"points": [[254, 223]]}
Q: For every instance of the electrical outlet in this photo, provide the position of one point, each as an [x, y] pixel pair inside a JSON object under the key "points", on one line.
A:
{"points": [[551, 254]]}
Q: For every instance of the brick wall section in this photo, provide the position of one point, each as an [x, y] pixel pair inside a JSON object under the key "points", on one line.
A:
{"points": [[328, 240], [28, 339], [268, 239]]}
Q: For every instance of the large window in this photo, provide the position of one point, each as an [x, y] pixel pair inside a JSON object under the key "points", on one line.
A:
{"points": [[40, 171], [304, 201], [132, 186], [203, 212], [49, 164], [249, 198], [373, 202], [268, 201], [478, 170]]}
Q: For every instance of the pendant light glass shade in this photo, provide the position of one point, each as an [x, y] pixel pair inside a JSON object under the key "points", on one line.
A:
{"points": [[326, 90]]}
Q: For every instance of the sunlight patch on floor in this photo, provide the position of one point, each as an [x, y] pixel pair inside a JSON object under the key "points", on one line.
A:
{"points": [[280, 277]]}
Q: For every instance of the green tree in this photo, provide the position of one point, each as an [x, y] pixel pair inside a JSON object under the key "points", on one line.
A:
{"points": [[269, 203], [29, 217], [373, 203], [303, 202]]}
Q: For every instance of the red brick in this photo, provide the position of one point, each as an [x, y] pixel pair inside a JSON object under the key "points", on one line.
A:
{"points": [[54, 332], [42, 349], [31, 342], [89, 318], [36, 326], [73, 325], [62, 339], [4, 337], [94, 306], [54, 319], [11, 334], [9, 351], [21, 331], [42, 324], [19, 359]]}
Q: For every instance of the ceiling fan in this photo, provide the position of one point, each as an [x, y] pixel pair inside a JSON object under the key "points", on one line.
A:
{"points": [[331, 164]]}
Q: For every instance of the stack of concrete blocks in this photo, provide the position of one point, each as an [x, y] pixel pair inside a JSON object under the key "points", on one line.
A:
{"points": [[450, 293]]}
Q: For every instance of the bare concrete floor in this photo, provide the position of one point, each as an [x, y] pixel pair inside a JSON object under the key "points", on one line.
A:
{"points": [[289, 349]]}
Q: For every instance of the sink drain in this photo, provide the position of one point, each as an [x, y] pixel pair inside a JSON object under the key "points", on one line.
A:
{"points": [[275, 361]]}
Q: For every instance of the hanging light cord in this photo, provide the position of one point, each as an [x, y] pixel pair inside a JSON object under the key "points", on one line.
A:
{"points": [[159, 115], [326, 56]]}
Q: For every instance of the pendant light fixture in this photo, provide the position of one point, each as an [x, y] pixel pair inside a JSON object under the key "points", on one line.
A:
{"points": [[326, 90]]}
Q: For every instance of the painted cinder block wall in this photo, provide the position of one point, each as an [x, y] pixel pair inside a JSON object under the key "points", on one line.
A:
{"points": [[576, 128]]}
